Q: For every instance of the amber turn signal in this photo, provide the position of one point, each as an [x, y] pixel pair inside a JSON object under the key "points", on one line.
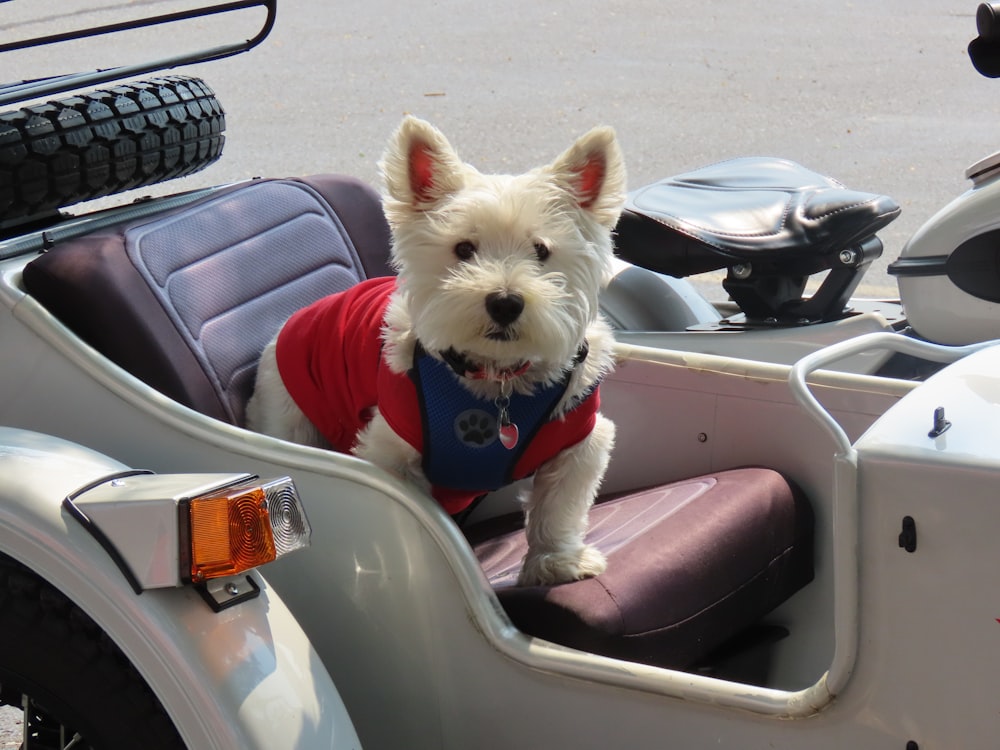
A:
{"points": [[245, 525]]}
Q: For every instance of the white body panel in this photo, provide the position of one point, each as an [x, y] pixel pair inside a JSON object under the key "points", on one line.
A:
{"points": [[780, 345], [944, 594], [244, 678], [936, 308]]}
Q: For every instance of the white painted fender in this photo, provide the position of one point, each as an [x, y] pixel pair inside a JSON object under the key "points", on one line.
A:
{"points": [[246, 677]]}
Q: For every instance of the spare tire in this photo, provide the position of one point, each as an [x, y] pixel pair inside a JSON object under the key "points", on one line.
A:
{"points": [[105, 142]]}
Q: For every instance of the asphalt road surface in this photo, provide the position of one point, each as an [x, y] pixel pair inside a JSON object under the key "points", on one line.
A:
{"points": [[879, 94]]}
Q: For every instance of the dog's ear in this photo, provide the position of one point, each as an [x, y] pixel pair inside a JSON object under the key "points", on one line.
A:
{"points": [[420, 167], [592, 171]]}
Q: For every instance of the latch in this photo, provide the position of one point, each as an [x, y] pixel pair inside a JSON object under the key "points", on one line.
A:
{"points": [[941, 424], [908, 536]]}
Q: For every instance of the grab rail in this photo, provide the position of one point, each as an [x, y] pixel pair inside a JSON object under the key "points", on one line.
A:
{"points": [[845, 509], [24, 90], [881, 340]]}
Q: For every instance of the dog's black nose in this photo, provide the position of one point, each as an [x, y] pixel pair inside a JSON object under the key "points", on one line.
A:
{"points": [[504, 308]]}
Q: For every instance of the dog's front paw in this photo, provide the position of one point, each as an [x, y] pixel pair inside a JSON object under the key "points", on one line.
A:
{"points": [[549, 568]]}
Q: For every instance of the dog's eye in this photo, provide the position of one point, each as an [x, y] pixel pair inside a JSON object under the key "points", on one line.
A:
{"points": [[542, 251], [465, 250]]}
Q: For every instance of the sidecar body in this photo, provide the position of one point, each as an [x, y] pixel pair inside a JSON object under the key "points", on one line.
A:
{"points": [[391, 593]]}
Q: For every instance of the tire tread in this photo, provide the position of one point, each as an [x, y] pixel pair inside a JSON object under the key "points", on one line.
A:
{"points": [[105, 142], [53, 651]]}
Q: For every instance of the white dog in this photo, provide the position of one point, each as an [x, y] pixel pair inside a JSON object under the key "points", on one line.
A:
{"points": [[480, 363]]}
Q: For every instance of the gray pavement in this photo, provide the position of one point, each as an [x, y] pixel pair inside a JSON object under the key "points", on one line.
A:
{"points": [[10, 728], [879, 94]]}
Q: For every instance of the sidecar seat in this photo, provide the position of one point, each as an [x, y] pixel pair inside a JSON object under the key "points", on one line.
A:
{"points": [[691, 566], [186, 300]]}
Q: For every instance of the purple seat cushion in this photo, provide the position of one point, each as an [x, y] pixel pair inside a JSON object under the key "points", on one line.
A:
{"points": [[690, 565], [186, 299]]}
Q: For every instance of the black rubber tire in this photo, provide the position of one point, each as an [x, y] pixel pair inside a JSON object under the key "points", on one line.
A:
{"points": [[104, 142], [76, 678]]}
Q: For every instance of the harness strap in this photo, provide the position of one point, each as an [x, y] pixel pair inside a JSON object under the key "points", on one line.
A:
{"points": [[461, 445]]}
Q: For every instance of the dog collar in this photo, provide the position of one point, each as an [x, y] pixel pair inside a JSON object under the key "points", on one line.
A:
{"points": [[464, 367]]}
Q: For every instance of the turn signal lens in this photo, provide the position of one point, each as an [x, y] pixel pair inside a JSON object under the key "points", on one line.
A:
{"points": [[245, 525]]}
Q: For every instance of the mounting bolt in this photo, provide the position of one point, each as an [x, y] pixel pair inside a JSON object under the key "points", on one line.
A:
{"points": [[741, 271], [848, 257], [232, 589]]}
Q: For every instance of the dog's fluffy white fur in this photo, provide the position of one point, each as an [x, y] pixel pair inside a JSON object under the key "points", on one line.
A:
{"points": [[460, 237]]}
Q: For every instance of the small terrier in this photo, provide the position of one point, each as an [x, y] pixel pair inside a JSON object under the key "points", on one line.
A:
{"points": [[479, 364]]}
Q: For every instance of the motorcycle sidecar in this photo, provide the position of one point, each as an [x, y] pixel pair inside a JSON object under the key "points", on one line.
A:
{"points": [[392, 594]]}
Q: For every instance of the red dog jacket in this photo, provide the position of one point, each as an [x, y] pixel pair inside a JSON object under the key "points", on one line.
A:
{"points": [[329, 358]]}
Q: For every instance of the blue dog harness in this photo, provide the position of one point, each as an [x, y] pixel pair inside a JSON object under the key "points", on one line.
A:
{"points": [[463, 449]]}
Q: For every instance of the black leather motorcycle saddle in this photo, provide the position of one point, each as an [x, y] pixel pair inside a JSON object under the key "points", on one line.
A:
{"points": [[767, 218]]}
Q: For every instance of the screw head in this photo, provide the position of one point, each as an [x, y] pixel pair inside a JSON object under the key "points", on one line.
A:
{"points": [[849, 257]]}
